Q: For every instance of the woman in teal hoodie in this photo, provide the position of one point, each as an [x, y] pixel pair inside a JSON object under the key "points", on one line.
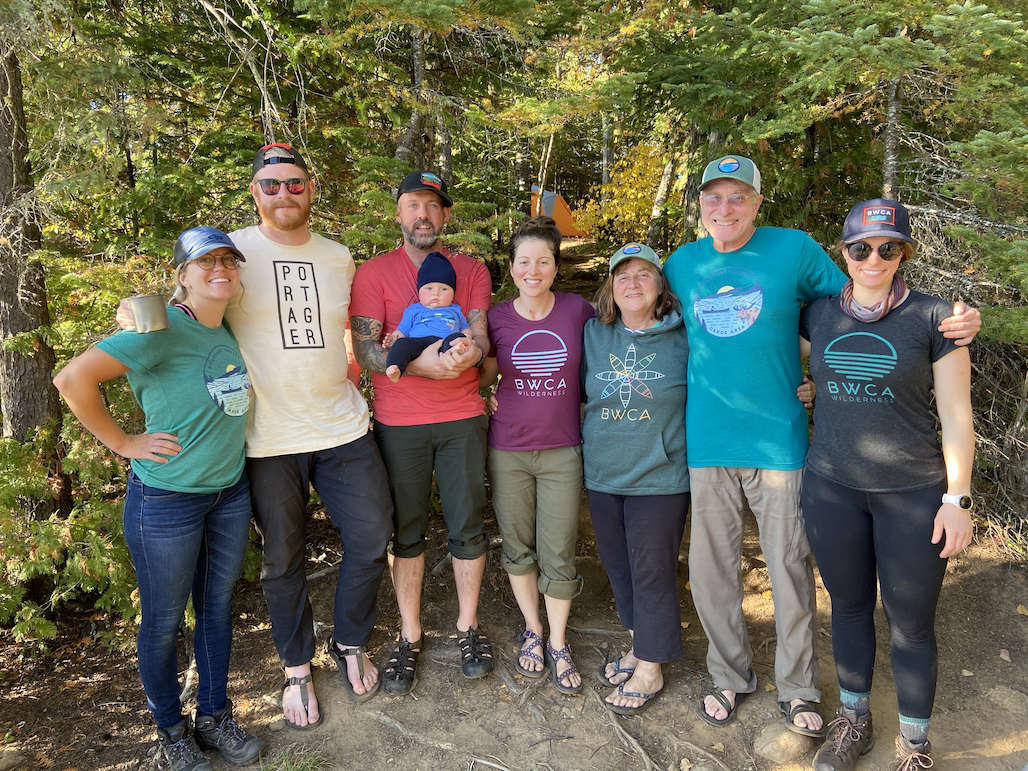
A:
{"points": [[635, 354]]}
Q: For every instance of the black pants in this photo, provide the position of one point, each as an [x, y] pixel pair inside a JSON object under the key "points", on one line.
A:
{"points": [[862, 539], [351, 481], [407, 349]]}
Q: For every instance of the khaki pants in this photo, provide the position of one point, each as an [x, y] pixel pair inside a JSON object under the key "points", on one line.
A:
{"points": [[719, 496]]}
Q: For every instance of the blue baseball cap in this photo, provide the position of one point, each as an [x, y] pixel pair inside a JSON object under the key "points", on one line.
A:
{"points": [[196, 242], [877, 217]]}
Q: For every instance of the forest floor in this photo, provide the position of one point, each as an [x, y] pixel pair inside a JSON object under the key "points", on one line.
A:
{"points": [[81, 707]]}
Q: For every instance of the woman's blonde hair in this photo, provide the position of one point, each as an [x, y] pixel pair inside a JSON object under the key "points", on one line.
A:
{"points": [[607, 310]]}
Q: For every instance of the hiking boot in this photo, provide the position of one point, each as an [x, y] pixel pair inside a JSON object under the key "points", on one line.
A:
{"points": [[179, 750], [912, 757], [220, 732], [847, 738]]}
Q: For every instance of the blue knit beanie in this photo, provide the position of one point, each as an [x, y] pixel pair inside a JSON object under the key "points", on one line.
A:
{"points": [[437, 269]]}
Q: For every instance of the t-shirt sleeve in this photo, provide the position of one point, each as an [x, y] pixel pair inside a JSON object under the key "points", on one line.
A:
{"points": [[481, 289], [136, 351], [404, 327], [940, 345], [817, 275], [367, 298], [462, 321]]}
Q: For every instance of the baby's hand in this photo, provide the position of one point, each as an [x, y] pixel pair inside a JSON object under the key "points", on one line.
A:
{"points": [[392, 337], [460, 347]]}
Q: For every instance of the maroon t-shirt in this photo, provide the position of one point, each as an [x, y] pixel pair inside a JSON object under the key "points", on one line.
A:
{"points": [[540, 365]]}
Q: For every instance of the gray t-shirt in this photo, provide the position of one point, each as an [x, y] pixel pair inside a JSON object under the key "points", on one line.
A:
{"points": [[874, 426]]}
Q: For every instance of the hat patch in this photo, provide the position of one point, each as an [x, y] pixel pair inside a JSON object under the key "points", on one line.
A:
{"points": [[632, 249], [431, 180], [879, 215], [728, 165]]}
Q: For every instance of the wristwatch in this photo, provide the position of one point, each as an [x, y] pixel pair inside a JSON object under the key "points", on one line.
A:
{"points": [[963, 501]]}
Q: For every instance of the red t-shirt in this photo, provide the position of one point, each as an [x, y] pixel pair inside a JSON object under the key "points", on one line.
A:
{"points": [[382, 289]]}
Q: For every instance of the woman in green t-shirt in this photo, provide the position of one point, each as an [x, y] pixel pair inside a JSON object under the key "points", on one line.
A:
{"points": [[187, 508]]}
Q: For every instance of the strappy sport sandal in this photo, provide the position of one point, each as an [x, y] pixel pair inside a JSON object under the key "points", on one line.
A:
{"points": [[400, 674]]}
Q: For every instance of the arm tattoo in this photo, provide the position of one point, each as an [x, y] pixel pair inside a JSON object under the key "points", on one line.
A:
{"points": [[477, 320], [366, 335]]}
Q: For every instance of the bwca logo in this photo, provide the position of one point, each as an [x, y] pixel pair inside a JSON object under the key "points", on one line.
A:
{"points": [[539, 354], [861, 358], [879, 215]]}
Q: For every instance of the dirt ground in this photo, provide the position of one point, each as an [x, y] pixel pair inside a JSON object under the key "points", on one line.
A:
{"points": [[82, 707]]}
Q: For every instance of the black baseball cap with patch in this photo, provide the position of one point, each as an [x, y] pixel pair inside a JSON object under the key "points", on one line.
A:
{"points": [[424, 180], [277, 153]]}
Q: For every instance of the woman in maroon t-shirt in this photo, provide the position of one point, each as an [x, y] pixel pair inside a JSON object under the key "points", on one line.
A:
{"points": [[535, 438]]}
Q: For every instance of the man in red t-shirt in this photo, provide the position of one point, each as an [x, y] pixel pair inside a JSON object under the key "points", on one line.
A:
{"points": [[431, 420]]}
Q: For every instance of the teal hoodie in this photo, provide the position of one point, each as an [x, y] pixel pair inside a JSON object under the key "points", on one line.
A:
{"points": [[635, 386]]}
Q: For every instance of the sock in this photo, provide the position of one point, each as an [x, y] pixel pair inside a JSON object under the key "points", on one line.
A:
{"points": [[914, 729], [855, 702]]}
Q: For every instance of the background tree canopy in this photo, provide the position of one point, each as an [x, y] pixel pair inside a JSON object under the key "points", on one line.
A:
{"points": [[124, 122]]}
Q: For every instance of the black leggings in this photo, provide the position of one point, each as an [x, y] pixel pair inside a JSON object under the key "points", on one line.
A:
{"points": [[407, 349], [853, 533]]}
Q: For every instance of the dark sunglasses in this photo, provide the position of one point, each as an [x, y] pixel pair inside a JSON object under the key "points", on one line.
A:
{"points": [[859, 251], [294, 185], [207, 262]]}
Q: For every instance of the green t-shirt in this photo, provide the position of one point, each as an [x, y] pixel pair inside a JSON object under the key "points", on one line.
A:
{"points": [[191, 381], [742, 310]]}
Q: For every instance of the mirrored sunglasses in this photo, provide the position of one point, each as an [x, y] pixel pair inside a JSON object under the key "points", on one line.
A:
{"points": [[859, 251], [294, 185]]}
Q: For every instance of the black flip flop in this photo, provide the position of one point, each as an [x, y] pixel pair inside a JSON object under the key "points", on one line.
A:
{"points": [[719, 696], [338, 655]]}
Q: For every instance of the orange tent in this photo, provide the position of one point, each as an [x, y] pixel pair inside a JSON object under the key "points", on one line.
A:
{"points": [[555, 206]]}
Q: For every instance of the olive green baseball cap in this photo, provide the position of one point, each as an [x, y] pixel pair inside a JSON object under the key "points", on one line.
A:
{"points": [[732, 167], [634, 251]]}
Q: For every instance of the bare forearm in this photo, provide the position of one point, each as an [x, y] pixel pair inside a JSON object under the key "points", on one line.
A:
{"points": [[366, 346]]}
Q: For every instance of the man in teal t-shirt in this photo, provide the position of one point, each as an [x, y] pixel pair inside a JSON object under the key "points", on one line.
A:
{"points": [[742, 289]]}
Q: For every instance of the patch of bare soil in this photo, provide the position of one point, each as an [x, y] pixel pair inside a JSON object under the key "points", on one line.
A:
{"points": [[82, 706]]}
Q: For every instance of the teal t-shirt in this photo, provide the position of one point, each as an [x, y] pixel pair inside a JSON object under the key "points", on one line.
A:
{"points": [[192, 382], [742, 311]]}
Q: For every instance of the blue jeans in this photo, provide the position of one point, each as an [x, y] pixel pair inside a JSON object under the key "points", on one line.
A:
{"points": [[184, 543]]}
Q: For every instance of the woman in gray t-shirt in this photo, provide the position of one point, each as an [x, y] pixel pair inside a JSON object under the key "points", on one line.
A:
{"points": [[884, 501]]}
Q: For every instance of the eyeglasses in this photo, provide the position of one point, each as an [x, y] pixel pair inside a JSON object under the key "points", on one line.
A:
{"points": [[859, 251], [294, 185], [207, 262], [735, 199]]}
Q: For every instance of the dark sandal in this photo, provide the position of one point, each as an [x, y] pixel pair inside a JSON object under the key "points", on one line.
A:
{"points": [[628, 711], [790, 715], [305, 700], [534, 641], [476, 655], [338, 655], [618, 670], [719, 696], [400, 674], [564, 654]]}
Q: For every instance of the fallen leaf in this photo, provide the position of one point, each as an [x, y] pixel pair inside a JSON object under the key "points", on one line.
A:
{"points": [[766, 595], [1022, 610], [687, 586], [769, 687], [685, 765], [685, 625], [718, 747], [1005, 655], [967, 673]]}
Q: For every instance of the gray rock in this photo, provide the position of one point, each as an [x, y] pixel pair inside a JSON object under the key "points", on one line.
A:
{"points": [[780, 745], [11, 759]]}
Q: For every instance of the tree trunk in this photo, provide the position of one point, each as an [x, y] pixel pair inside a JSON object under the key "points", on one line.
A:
{"points": [[607, 155], [544, 163], [28, 399], [890, 163], [444, 150], [691, 223], [405, 149], [660, 199], [523, 170]]}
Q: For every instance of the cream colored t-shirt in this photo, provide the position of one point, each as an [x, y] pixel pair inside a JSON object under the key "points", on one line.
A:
{"points": [[289, 320]]}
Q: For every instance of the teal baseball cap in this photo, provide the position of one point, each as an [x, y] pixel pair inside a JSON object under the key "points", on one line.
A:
{"points": [[732, 167], [634, 251]]}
